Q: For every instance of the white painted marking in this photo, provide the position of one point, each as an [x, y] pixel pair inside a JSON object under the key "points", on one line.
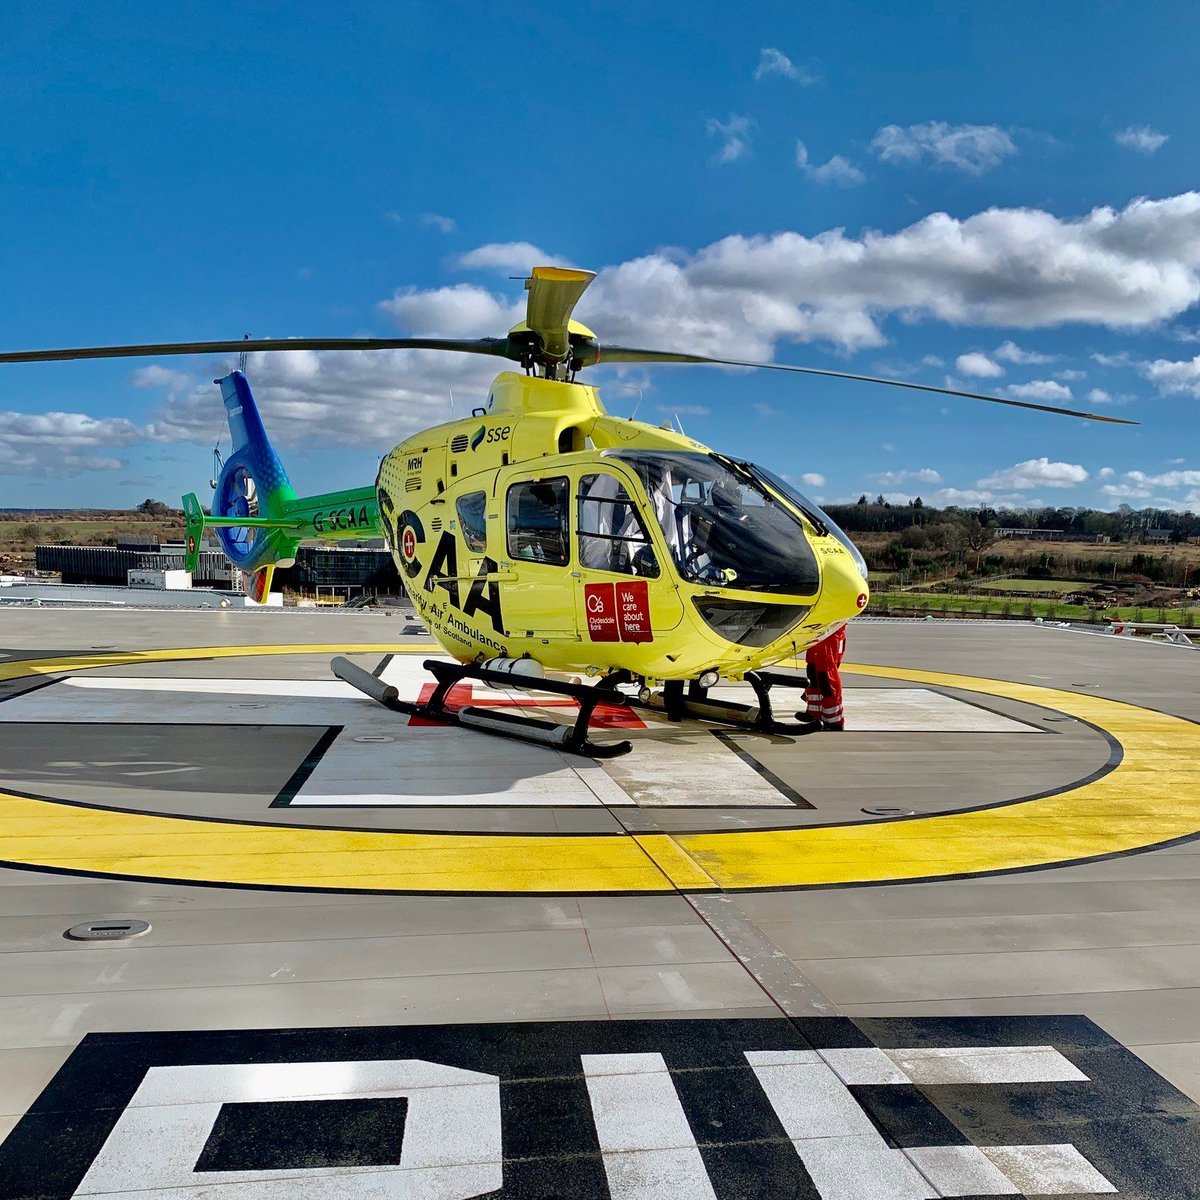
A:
{"points": [[680, 765], [840, 1148], [894, 710], [1049, 1170], [961, 1171], [678, 990], [648, 1147], [986, 1064], [849, 1160], [674, 765], [970, 1064], [863, 1065], [331, 689], [65, 1022], [451, 1147]]}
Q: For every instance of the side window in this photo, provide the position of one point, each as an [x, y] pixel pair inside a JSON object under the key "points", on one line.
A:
{"points": [[472, 517], [611, 534], [537, 521]]}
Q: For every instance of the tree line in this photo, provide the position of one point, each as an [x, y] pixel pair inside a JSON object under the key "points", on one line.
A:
{"points": [[1122, 524]]}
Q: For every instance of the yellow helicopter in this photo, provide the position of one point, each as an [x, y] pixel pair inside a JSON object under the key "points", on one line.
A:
{"points": [[544, 534]]}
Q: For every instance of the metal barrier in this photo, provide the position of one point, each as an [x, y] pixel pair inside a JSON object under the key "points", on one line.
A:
{"points": [[1162, 633]]}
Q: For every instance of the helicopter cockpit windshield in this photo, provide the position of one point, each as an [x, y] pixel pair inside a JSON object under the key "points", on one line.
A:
{"points": [[723, 527], [813, 511]]}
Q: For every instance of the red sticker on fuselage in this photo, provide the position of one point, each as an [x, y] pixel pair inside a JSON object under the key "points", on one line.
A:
{"points": [[408, 542], [633, 611], [601, 609]]}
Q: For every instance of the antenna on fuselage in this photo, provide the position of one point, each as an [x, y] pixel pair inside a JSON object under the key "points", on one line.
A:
{"points": [[633, 388], [452, 404]]}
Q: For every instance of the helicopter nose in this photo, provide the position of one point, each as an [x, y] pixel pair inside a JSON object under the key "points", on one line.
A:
{"points": [[844, 587]]}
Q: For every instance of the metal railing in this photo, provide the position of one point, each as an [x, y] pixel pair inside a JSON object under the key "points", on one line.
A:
{"points": [[1160, 632]]}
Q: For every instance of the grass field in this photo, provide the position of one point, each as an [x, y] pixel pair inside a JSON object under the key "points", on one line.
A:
{"points": [[1061, 586], [23, 535], [1047, 609]]}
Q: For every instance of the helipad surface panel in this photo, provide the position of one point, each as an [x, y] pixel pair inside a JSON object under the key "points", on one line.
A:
{"points": [[1113, 940]]}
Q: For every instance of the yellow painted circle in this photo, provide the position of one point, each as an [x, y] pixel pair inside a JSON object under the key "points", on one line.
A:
{"points": [[1152, 796]]}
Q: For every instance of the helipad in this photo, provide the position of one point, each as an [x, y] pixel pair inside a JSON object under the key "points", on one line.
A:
{"points": [[1006, 831]]}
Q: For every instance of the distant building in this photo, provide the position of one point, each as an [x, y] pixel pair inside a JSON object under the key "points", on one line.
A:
{"points": [[367, 570], [138, 541], [1051, 535], [1034, 535]]}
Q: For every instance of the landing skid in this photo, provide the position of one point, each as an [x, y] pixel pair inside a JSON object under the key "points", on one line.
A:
{"points": [[570, 739], [693, 703], [678, 701]]}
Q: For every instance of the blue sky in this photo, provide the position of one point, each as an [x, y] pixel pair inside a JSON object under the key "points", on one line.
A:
{"points": [[998, 195]]}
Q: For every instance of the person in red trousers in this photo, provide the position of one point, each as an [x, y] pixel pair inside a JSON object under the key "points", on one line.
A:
{"points": [[823, 695]]}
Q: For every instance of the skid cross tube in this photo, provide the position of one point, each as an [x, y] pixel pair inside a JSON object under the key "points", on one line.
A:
{"points": [[694, 703], [569, 739]]}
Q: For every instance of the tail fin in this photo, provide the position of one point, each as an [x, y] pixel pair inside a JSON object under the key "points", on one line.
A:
{"points": [[256, 513], [252, 498]]}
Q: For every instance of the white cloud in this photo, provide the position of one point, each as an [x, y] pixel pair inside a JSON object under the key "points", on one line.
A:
{"points": [[1036, 472], [155, 376], [775, 62], [812, 479], [1173, 378], [1071, 375], [973, 497], [1099, 396], [735, 138], [363, 399], [738, 297], [971, 148], [1181, 333], [1105, 473], [932, 360], [1168, 479], [1126, 491], [686, 410], [506, 257], [896, 478], [978, 365], [1025, 268], [442, 224], [1039, 389], [74, 464], [463, 310], [1011, 352], [837, 170], [1141, 138], [56, 444]]}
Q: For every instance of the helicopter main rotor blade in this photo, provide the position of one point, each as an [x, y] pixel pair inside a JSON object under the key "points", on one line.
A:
{"points": [[623, 354], [497, 347], [553, 294]]}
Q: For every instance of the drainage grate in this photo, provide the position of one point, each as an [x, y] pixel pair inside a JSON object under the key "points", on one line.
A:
{"points": [[375, 737], [107, 931], [889, 810]]}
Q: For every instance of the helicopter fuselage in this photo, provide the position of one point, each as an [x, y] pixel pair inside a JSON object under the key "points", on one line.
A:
{"points": [[544, 527]]}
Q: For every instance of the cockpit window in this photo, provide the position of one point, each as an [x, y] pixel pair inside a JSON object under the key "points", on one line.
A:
{"points": [[806, 506], [723, 527], [472, 516], [537, 521], [611, 534]]}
